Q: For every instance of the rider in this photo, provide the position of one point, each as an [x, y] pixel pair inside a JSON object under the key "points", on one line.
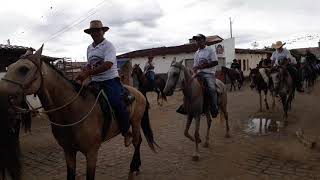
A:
{"points": [[205, 59], [281, 54], [236, 66], [263, 66], [102, 68], [149, 71]]}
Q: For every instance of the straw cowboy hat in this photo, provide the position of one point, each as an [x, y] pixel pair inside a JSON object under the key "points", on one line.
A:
{"points": [[278, 45], [96, 24]]}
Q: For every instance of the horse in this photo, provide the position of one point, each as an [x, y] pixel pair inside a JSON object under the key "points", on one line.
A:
{"points": [[234, 76], [76, 122], [194, 101], [11, 121], [283, 86], [257, 82], [144, 84]]}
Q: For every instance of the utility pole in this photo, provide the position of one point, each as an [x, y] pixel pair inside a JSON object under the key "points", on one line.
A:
{"points": [[230, 26]]}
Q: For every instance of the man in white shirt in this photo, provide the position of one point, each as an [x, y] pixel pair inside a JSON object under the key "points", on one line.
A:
{"points": [[283, 56], [205, 60], [149, 71], [102, 69]]}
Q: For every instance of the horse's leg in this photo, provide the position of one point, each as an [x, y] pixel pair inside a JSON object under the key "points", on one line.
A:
{"points": [[226, 117], [158, 97], [209, 121], [285, 109], [266, 99], [71, 164], [186, 131], [91, 163], [260, 98], [273, 100], [196, 155], [136, 160]]}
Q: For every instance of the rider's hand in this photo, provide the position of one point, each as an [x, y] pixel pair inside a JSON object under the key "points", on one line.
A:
{"points": [[83, 76]]}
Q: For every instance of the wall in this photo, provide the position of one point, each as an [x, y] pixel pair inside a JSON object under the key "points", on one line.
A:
{"points": [[251, 61]]}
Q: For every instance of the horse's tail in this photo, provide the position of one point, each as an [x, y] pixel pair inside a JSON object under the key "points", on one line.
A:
{"points": [[147, 131], [163, 96]]}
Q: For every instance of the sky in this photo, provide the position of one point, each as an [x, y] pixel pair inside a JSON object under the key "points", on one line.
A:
{"points": [[140, 24]]}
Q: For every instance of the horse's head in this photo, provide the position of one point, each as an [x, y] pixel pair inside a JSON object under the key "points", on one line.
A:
{"points": [[254, 73], [23, 76], [136, 70], [173, 77], [276, 75]]}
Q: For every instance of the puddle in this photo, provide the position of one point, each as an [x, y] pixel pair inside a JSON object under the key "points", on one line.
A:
{"points": [[262, 126]]}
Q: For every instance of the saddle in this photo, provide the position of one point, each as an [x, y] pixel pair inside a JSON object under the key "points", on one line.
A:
{"points": [[105, 105], [207, 98]]}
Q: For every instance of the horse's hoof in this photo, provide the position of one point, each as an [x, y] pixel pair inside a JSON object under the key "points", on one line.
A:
{"points": [[227, 136], [195, 158], [206, 145]]}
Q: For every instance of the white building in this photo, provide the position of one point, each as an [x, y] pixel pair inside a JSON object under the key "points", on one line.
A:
{"points": [[163, 56], [250, 58]]}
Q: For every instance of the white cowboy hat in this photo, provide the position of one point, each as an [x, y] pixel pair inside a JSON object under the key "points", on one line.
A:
{"points": [[96, 24], [278, 45]]}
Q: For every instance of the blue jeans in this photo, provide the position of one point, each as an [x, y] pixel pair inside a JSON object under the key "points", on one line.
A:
{"points": [[151, 76], [211, 85], [115, 92]]}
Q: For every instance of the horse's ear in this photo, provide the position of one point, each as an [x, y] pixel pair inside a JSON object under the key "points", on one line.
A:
{"points": [[28, 52], [39, 52], [138, 65], [180, 62]]}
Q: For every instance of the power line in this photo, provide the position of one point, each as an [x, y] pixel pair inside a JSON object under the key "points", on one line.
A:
{"points": [[76, 22]]}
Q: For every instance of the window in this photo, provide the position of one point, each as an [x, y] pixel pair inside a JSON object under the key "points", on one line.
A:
{"points": [[248, 64], [244, 65]]}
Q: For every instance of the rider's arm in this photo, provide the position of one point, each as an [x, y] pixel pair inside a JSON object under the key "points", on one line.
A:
{"points": [[213, 62], [109, 60]]}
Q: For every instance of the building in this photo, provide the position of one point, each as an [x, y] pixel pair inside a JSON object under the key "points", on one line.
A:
{"points": [[303, 51], [250, 58], [163, 56]]}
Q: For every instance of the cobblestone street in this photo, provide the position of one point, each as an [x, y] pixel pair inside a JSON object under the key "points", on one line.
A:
{"points": [[245, 156]]}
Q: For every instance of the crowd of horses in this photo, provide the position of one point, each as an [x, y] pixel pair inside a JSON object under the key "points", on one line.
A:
{"points": [[74, 133]]}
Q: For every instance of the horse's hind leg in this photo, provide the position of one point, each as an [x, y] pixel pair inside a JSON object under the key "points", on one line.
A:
{"points": [[209, 122], [71, 164], [91, 163], [266, 99], [196, 155], [226, 117], [186, 131], [136, 160]]}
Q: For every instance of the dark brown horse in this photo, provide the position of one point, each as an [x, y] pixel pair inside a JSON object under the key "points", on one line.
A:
{"points": [[77, 121], [144, 83], [234, 76], [11, 120], [256, 81]]}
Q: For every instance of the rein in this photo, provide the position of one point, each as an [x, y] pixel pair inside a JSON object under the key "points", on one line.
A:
{"points": [[23, 86]]}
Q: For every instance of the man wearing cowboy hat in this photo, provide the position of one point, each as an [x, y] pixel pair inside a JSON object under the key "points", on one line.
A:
{"points": [[149, 71], [103, 71], [281, 56], [205, 59]]}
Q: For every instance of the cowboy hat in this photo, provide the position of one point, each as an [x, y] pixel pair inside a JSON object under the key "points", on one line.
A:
{"points": [[199, 37], [96, 24], [278, 45]]}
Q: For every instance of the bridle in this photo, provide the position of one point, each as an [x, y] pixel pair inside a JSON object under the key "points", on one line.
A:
{"points": [[26, 83]]}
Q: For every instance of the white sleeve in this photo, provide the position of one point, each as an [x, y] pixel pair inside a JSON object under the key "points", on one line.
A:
{"points": [[214, 55], [110, 54]]}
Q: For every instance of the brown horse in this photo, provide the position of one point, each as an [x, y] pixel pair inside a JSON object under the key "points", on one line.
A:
{"points": [[144, 83], [256, 81], [77, 123], [11, 119], [234, 77], [194, 102]]}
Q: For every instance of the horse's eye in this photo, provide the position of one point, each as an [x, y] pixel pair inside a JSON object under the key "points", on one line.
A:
{"points": [[23, 70]]}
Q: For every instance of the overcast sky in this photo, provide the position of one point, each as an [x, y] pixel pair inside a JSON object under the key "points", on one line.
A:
{"points": [[139, 24]]}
